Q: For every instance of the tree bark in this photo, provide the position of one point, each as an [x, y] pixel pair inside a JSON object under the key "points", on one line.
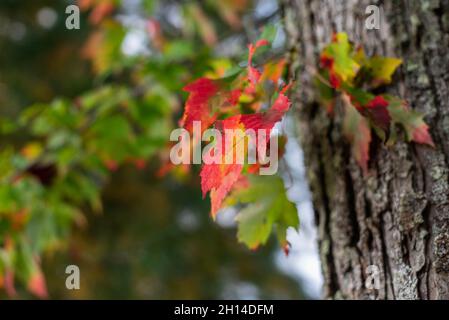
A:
{"points": [[396, 218]]}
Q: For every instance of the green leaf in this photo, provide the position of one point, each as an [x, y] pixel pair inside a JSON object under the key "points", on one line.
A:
{"points": [[112, 128], [410, 120], [325, 94], [269, 33], [267, 207], [7, 126], [179, 50]]}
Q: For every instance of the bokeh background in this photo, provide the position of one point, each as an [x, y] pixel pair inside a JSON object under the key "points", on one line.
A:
{"points": [[154, 238]]}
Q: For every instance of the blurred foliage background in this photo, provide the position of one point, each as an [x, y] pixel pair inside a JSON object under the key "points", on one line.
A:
{"points": [[87, 193]]}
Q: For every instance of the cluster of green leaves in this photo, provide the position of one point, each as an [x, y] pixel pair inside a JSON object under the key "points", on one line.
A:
{"points": [[71, 148], [346, 72]]}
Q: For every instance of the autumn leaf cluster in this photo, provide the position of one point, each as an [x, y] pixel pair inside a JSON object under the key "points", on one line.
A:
{"points": [[346, 73], [240, 100]]}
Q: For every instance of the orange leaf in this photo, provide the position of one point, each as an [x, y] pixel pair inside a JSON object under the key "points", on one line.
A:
{"points": [[273, 71]]}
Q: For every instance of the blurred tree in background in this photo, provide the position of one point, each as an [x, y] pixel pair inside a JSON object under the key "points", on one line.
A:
{"points": [[85, 111]]}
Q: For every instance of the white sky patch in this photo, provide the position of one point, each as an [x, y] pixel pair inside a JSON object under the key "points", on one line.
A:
{"points": [[265, 8], [174, 16], [226, 217], [136, 40], [135, 43]]}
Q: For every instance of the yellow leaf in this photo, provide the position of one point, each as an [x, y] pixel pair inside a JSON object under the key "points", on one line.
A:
{"points": [[382, 68]]}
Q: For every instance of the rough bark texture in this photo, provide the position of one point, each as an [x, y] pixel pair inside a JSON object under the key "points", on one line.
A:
{"points": [[396, 217]]}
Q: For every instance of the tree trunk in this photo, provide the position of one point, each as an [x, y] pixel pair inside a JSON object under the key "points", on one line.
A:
{"points": [[395, 220]]}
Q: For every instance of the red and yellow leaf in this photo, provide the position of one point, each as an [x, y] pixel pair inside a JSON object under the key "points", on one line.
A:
{"points": [[218, 178], [337, 57], [197, 107]]}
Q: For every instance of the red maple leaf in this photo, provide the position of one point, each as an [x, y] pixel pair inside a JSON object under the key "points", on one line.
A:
{"points": [[421, 135], [219, 178], [334, 81], [234, 96], [218, 194], [376, 110], [326, 62], [197, 107], [268, 119]]}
